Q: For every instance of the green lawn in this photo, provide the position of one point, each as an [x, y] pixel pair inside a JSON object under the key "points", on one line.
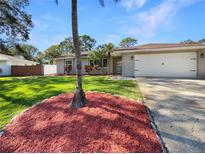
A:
{"points": [[18, 93]]}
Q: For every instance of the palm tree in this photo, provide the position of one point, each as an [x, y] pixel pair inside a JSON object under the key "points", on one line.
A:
{"points": [[79, 99], [109, 48]]}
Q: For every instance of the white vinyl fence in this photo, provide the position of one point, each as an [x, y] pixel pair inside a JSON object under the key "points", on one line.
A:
{"points": [[5, 70], [50, 69]]}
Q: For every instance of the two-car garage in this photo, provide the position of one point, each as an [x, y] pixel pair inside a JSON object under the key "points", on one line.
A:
{"points": [[166, 65], [163, 60]]}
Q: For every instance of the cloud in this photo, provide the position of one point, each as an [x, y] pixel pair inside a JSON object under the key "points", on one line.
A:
{"points": [[133, 4], [40, 24], [112, 38], [159, 17]]}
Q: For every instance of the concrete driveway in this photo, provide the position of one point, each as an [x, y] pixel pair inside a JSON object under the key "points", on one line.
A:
{"points": [[178, 106]]}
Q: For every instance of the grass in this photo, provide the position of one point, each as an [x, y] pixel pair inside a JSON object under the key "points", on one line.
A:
{"points": [[19, 93]]}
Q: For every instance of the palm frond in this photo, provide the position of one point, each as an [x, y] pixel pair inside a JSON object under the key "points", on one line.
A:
{"points": [[56, 2], [116, 1], [102, 3]]}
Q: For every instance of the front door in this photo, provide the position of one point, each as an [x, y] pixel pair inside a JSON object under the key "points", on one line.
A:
{"points": [[117, 64]]}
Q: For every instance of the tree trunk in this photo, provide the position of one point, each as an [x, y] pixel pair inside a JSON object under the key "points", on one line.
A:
{"points": [[79, 99], [109, 64]]}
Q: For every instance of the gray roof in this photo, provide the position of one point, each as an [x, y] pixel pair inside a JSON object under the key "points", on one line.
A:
{"points": [[72, 56], [159, 46], [15, 60]]}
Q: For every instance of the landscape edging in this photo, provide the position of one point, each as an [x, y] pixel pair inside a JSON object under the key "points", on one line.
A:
{"points": [[154, 126], [21, 113]]}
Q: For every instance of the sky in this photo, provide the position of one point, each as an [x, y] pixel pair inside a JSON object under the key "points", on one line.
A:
{"points": [[148, 21]]}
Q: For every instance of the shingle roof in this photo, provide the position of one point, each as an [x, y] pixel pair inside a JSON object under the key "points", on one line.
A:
{"points": [[72, 55], [16, 61], [158, 45], [149, 46]]}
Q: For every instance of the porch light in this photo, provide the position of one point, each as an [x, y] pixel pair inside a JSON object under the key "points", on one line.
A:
{"points": [[202, 55], [132, 57]]}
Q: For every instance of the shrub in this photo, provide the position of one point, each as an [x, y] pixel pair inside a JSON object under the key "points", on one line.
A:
{"points": [[88, 68], [68, 69], [97, 67]]}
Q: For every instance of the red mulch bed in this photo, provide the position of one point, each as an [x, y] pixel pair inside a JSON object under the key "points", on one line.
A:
{"points": [[106, 124]]}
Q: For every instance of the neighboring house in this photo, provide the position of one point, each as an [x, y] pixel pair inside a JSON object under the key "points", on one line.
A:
{"points": [[12, 60], [149, 60], [18, 66], [7, 61]]}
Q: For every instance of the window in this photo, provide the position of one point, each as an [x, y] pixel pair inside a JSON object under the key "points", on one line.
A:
{"points": [[104, 62], [68, 66], [98, 62], [101, 63], [68, 63], [92, 63]]}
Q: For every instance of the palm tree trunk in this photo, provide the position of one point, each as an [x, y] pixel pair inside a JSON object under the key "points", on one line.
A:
{"points": [[109, 63], [79, 99], [110, 66]]}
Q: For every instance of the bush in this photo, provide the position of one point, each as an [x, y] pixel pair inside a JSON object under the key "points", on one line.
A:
{"points": [[97, 67], [88, 68], [68, 69]]}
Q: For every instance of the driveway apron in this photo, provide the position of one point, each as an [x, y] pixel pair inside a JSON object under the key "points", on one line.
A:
{"points": [[178, 107]]}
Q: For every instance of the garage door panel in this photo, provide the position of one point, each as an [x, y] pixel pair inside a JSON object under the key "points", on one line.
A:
{"points": [[166, 65]]}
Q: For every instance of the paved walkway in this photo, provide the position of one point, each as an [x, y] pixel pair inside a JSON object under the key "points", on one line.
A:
{"points": [[178, 106]]}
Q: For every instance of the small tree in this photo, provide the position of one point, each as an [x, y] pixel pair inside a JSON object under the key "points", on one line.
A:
{"points": [[51, 53], [109, 48], [128, 42], [102, 52], [99, 53], [86, 44], [79, 99], [188, 41]]}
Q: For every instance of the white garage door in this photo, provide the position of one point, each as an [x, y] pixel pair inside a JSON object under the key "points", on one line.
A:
{"points": [[166, 65]]}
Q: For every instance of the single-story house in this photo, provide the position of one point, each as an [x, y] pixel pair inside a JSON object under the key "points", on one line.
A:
{"points": [[149, 60], [18, 66], [7, 61]]}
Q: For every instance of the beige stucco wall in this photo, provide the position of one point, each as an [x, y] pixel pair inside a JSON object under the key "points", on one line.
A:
{"points": [[84, 62], [128, 65], [74, 67], [3, 62], [60, 66], [201, 64], [110, 65]]}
